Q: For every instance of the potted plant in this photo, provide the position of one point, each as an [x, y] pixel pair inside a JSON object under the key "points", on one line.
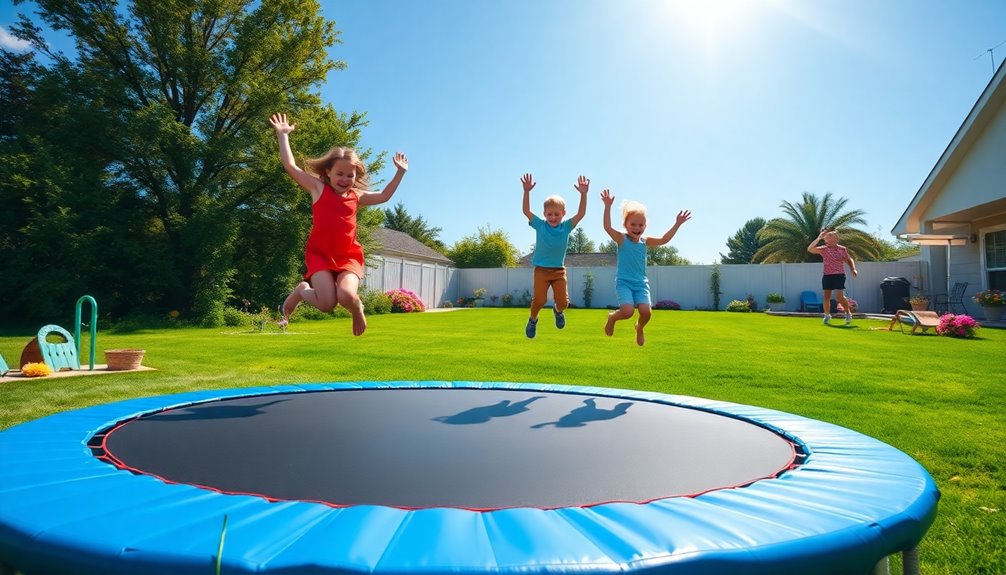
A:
{"points": [[993, 303], [773, 300], [919, 302], [480, 295]]}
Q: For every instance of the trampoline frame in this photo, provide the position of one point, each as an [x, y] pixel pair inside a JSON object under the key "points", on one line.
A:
{"points": [[852, 502]]}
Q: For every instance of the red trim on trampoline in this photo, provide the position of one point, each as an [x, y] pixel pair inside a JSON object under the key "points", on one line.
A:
{"points": [[116, 462]]}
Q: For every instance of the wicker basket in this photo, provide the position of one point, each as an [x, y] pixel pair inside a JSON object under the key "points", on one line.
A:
{"points": [[123, 359]]}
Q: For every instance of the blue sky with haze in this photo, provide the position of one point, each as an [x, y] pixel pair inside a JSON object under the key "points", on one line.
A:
{"points": [[723, 107]]}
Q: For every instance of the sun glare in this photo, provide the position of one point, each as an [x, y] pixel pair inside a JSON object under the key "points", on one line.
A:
{"points": [[715, 23]]}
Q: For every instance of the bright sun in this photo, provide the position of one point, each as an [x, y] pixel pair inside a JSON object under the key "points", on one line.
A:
{"points": [[715, 22]]}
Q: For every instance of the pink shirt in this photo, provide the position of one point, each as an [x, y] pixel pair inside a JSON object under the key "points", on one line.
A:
{"points": [[834, 259]]}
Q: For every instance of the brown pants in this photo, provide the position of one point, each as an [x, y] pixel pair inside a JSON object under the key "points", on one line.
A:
{"points": [[545, 278]]}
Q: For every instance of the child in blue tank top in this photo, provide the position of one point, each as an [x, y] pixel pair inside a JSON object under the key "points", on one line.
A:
{"points": [[631, 285]]}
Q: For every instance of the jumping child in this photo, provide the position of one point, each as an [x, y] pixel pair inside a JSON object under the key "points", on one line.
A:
{"points": [[338, 183], [631, 285], [835, 257], [551, 241]]}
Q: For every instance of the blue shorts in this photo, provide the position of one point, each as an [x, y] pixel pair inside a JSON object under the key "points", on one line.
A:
{"points": [[632, 293]]}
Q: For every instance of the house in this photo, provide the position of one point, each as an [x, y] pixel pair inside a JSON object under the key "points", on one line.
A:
{"points": [[404, 262], [587, 260], [959, 213]]}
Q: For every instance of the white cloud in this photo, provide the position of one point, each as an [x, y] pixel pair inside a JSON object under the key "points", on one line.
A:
{"points": [[12, 43]]}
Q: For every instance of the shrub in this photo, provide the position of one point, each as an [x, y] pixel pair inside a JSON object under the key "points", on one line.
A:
{"points": [[507, 300], [236, 318], [738, 305], [376, 302], [405, 301], [957, 326], [775, 297], [667, 304], [852, 304]]}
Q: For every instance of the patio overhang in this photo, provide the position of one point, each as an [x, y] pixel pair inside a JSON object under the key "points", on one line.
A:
{"points": [[947, 240]]}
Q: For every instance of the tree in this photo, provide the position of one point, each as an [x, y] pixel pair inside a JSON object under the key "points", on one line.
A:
{"points": [[744, 244], [579, 243], [786, 239], [149, 152], [489, 249], [398, 218], [894, 250]]}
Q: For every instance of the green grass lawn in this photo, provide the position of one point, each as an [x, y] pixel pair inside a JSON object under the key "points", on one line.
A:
{"points": [[941, 400]]}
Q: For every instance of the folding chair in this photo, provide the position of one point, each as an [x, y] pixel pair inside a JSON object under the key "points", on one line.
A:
{"points": [[919, 320], [949, 303]]}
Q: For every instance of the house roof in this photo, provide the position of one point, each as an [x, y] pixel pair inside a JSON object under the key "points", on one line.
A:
{"points": [[396, 243], [589, 260], [992, 99]]}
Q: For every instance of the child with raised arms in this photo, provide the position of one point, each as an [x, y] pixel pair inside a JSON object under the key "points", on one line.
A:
{"points": [[551, 242], [338, 184], [631, 285]]}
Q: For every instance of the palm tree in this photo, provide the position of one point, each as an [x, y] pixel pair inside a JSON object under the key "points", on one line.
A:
{"points": [[786, 239]]}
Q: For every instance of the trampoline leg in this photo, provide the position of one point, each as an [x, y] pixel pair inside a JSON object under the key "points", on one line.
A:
{"points": [[910, 561], [881, 568]]}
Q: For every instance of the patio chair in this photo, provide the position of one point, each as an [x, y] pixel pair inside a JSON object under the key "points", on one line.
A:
{"points": [[58, 355], [809, 301], [949, 303], [919, 320]]}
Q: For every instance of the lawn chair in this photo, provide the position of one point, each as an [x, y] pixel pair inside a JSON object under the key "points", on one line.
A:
{"points": [[949, 303], [58, 355], [919, 320], [810, 302]]}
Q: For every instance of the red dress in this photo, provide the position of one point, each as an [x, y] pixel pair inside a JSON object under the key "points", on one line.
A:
{"points": [[332, 244]]}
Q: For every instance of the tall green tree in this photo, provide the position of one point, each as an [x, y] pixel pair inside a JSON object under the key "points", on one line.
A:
{"points": [[786, 239], [744, 244], [487, 249], [145, 160], [398, 218], [579, 243]]}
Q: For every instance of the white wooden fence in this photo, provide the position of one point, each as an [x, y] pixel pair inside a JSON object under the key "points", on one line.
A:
{"points": [[687, 285]]}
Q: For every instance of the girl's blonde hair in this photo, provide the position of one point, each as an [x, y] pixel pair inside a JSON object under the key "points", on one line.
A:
{"points": [[319, 167], [630, 207]]}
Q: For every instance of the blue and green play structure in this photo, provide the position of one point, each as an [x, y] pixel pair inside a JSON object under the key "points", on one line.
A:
{"points": [[93, 326]]}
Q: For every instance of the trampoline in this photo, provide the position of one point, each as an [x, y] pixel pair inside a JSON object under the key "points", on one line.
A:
{"points": [[452, 477]]}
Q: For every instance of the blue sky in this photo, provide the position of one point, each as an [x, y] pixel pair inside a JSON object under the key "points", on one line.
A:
{"points": [[723, 107]]}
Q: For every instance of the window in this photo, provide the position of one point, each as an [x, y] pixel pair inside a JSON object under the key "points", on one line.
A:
{"points": [[995, 259]]}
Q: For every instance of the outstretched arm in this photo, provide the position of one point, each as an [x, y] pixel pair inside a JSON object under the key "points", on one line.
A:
{"points": [[683, 216], [305, 180], [812, 248], [528, 182], [402, 166], [614, 234], [582, 186]]}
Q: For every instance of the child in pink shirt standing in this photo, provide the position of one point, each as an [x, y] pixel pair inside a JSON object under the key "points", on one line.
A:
{"points": [[835, 257]]}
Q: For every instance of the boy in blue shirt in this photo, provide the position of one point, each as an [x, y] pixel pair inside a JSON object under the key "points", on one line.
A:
{"points": [[551, 241]]}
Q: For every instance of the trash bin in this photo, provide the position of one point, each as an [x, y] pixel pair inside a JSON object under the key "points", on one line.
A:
{"points": [[896, 292]]}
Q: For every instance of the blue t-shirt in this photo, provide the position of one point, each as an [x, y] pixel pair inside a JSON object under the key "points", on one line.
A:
{"points": [[550, 243], [631, 261]]}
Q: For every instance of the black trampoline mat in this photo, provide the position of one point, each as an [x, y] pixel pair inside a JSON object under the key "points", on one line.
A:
{"points": [[465, 448]]}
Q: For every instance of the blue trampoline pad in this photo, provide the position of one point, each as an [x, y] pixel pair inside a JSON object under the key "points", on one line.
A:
{"points": [[451, 477]]}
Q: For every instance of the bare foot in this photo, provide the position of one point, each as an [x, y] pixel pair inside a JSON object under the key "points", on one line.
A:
{"points": [[609, 327], [290, 304], [640, 339], [359, 321]]}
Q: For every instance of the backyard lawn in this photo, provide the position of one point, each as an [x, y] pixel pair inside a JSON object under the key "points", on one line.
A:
{"points": [[941, 400]]}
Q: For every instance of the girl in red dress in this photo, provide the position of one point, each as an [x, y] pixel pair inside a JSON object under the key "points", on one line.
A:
{"points": [[337, 183]]}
